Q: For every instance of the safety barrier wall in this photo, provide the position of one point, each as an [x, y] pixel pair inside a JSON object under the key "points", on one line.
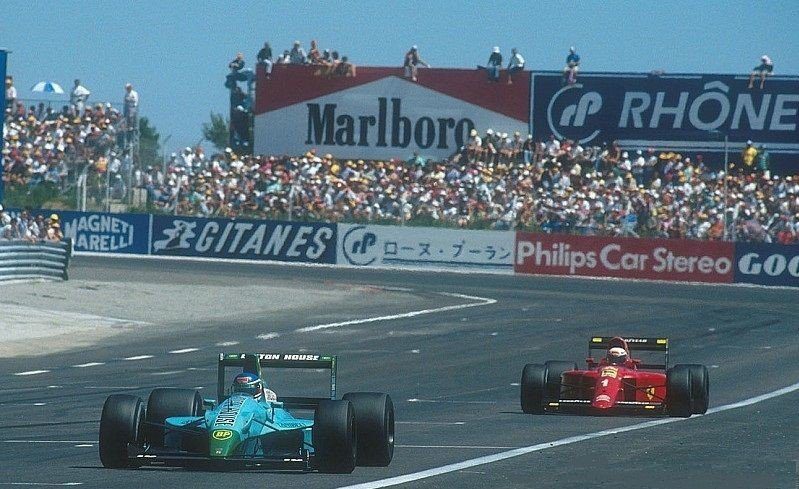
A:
{"points": [[418, 248], [22, 260]]}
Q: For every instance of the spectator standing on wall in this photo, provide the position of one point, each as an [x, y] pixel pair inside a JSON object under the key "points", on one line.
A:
{"points": [[264, 58], [297, 55], [494, 64], [572, 67], [763, 161], [764, 69], [515, 65], [748, 156], [11, 92], [78, 97], [412, 62], [131, 106]]}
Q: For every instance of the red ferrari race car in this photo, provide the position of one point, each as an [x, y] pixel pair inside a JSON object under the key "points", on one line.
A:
{"points": [[618, 383]]}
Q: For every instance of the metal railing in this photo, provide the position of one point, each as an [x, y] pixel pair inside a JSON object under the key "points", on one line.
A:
{"points": [[23, 260]]}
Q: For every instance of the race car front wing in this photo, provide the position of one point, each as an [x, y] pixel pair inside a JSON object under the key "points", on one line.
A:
{"points": [[151, 456], [620, 407]]}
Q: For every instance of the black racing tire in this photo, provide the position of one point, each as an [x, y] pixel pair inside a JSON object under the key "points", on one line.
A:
{"points": [[120, 424], [532, 388], [554, 377], [374, 419], [679, 399], [165, 403], [700, 387], [335, 437]]}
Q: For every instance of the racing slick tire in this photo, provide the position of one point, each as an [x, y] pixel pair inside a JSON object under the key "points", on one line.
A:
{"points": [[335, 437], [679, 398], [533, 384], [700, 387], [554, 377], [374, 419], [165, 403], [121, 423]]}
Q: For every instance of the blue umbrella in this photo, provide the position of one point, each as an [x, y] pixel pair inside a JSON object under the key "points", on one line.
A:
{"points": [[47, 87]]}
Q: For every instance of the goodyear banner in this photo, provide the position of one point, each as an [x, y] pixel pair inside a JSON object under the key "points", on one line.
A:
{"points": [[414, 248], [380, 114], [244, 239], [688, 113], [767, 264]]}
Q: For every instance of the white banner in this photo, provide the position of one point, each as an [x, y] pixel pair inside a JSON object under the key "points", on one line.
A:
{"points": [[415, 248]]}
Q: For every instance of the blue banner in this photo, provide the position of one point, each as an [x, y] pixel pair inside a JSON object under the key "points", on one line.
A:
{"points": [[687, 113], [767, 264], [244, 239], [107, 233], [3, 57]]}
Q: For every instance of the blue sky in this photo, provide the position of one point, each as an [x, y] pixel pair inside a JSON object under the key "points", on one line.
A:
{"points": [[175, 52]]}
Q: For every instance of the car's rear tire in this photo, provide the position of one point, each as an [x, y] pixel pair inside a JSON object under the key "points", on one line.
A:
{"points": [[700, 388], [679, 398], [374, 419], [166, 403], [120, 424], [335, 437], [532, 388]]}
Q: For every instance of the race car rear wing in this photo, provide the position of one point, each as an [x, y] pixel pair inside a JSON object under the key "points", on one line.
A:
{"points": [[255, 362], [635, 344]]}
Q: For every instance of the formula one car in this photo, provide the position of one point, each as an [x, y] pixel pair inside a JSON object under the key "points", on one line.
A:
{"points": [[617, 383], [248, 426]]}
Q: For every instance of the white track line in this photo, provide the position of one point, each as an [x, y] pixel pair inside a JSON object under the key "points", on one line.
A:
{"points": [[32, 372], [34, 484], [47, 441], [433, 423], [90, 364], [480, 301], [138, 357], [497, 457], [184, 350], [466, 447]]}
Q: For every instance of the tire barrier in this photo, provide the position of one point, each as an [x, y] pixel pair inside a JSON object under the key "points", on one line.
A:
{"points": [[23, 260]]}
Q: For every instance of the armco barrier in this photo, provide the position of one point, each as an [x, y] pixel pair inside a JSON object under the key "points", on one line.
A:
{"points": [[25, 260], [415, 248], [653, 259], [767, 264]]}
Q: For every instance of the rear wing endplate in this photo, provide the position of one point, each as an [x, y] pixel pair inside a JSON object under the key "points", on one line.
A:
{"points": [[635, 344], [255, 362]]}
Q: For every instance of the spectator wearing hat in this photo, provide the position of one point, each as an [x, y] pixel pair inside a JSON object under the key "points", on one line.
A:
{"points": [[411, 63], [297, 54], [78, 97], [515, 65], [54, 229], [264, 58], [748, 156], [764, 69], [494, 64], [572, 67]]}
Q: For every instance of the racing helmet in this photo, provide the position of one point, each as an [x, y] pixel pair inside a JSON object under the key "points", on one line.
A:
{"points": [[248, 383], [617, 355]]}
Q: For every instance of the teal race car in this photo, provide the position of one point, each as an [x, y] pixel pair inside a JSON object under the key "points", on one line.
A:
{"points": [[248, 426]]}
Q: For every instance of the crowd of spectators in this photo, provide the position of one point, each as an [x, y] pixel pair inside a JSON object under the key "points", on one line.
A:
{"points": [[328, 61], [27, 227], [43, 144], [496, 181]]}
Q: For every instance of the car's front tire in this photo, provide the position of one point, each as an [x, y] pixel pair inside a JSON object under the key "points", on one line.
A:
{"points": [[120, 423], [679, 398], [374, 419], [335, 438], [700, 388], [533, 386], [166, 403]]}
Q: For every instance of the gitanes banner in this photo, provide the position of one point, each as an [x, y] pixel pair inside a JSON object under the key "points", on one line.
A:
{"points": [[654, 259], [691, 113], [244, 238], [414, 248], [380, 114], [767, 264]]}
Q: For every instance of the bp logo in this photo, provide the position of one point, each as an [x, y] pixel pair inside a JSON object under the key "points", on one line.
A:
{"points": [[222, 434]]}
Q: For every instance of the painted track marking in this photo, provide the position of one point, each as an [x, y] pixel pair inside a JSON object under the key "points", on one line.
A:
{"points": [[57, 484], [498, 457], [89, 364], [139, 357], [32, 372], [184, 350], [466, 447], [478, 301]]}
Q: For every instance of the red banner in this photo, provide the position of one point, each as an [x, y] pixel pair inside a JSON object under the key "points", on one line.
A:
{"points": [[654, 259]]}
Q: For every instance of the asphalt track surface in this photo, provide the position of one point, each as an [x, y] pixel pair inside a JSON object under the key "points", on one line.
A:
{"points": [[452, 374]]}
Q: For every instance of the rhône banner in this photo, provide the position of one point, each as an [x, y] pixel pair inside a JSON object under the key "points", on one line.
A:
{"points": [[654, 259], [380, 114]]}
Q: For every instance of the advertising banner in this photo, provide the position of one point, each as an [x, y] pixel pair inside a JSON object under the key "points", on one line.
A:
{"points": [[414, 248], [380, 114], [690, 113], [103, 232], [767, 264], [654, 259], [244, 239]]}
